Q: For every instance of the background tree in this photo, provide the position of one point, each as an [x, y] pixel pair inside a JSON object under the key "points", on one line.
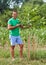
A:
{"points": [[3, 5], [34, 1]]}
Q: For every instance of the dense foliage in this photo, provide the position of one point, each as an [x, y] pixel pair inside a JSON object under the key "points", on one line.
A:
{"points": [[29, 14]]}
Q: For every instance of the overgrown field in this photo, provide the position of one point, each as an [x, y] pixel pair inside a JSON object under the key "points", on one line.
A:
{"points": [[33, 14], [37, 56]]}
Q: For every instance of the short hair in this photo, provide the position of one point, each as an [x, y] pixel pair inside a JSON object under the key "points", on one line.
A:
{"points": [[15, 10]]}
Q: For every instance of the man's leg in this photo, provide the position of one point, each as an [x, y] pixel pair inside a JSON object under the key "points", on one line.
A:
{"points": [[12, 51], [12, 41], [21, 50]]}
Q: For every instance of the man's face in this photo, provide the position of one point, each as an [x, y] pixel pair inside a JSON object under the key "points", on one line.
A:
{"points": [[14, 14]]}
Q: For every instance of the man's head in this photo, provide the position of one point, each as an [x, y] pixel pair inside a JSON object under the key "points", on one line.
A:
{"points": [[14, 14]]}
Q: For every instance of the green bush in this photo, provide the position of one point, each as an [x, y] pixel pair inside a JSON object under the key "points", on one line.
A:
{"points": [[4, 36]]}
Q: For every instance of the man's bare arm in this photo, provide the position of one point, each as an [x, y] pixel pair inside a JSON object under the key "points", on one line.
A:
{"points": [[12, 27], [25, 27]]}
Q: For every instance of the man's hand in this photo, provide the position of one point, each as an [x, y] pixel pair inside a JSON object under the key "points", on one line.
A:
{"points": [[25, 27], [21, 26], [18, 25], [28, 26]]}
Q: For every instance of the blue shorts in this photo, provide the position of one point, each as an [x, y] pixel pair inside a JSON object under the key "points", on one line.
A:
{"points": [[15, 40]]}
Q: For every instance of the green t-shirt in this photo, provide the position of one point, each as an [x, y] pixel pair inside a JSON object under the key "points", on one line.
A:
{"points": [[14, 22]]}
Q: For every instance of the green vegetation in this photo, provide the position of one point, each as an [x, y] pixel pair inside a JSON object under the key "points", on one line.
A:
{"points": [[36, 58], [38, 34], [33, 12], [29, 14]]}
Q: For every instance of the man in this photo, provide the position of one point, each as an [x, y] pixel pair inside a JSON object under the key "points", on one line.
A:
{"points": [[14, 36]]}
